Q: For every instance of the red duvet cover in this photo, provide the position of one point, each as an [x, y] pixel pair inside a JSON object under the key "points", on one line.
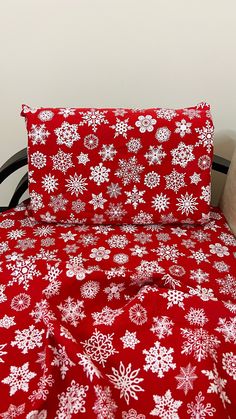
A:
{"points": [[128, 322]]}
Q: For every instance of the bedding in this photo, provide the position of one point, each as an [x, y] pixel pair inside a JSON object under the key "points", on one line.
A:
{"points": [[117, 166], [127, 321]]}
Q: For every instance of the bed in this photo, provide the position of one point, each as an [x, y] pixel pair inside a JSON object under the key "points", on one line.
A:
{"points": [[116, 321]]}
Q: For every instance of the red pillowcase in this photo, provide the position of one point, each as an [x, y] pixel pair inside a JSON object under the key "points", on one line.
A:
{"points": [[118, 166]]}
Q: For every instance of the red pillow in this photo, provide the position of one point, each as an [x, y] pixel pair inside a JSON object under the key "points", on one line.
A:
{"points": [[118, 166]]}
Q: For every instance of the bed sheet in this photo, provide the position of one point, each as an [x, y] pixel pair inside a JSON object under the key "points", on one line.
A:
{"points": [[123, 322]]}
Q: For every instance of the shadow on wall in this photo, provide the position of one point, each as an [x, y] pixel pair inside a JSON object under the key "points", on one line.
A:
{"points": [[224, 145]]}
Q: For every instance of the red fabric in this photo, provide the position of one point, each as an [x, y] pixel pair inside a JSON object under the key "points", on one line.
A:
{"points": [[117, 166], [117, 322]]}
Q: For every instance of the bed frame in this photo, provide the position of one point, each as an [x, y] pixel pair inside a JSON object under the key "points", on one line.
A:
{"points": [[20, 159]]}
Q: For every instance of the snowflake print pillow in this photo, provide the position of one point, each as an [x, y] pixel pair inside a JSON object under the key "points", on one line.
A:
{"points": [[119, 166]]}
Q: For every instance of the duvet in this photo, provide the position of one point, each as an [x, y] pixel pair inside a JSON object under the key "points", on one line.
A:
{"points": [[128, 322]]}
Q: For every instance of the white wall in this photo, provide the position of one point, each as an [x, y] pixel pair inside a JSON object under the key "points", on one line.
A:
{"points": [[130, 53]]}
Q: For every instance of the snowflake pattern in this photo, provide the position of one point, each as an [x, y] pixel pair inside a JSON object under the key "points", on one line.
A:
{"points": [[159, 359], [127, 381]]}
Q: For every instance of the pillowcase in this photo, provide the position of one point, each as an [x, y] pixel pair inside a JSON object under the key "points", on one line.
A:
{"points": [[120, 166]]}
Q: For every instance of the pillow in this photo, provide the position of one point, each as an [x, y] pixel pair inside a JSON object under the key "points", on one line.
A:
{"points": [[118, 166]]}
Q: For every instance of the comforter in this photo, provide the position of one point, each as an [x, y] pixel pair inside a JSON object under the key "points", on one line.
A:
{"points": [[126, 322]]}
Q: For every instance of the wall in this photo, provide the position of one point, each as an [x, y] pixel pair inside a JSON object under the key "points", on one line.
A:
{"points": [[116, 53]]}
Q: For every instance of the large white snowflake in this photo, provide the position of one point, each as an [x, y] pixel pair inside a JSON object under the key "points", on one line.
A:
{"points": [[72, 311], [62, 161], [162, 326], [200, 343], [155, 155], [145, 123], [129, 170], [23, 271], [185, 378], [49, 183], [104, 406], [58, 202], [114, 290], [182, 154], [28, 339], [19, 378], [159, 359], [38, 134], [72, 401], [166, 407], [93, 118], [99, 347], [127, 381], [168, 252], [187, 204], [67, 134]]}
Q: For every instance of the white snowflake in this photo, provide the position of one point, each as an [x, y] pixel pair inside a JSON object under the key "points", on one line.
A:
{"points": [[167, 114], [187, 204], [159, 359], [6, 321], [229, 364], [83, 158], [198, 410], [108, 152], [126, 381], [49, 183], [183, 128], [23, 271], [62, 161], [99, 174], [121, 127], [135, 197], [88, 366], [98, 201], [162, 326], [67, 134], [163, 134], [196, 316], [65, 112], [160, 202], [28, 339], [182, 154], [38, 134], [206, 136], [132, 414], [175, 181], [58, 202], [217, 384], [104, 406], [2, 353], [134, 145], [175, 297], [90, 289], [138, 314], [91, 141], [61, 360], [228, 329], [13, 411], [166, 407], [76, 184], [107, 316], [129, 340], [151, 180], [145, 123], [168, 252], [72, 401], [129, 170], [114, 290], [199, 343], [155, 155], [19, 378], [72, 311], [99, 347], [38, 160], [186, 378], [93, 118]]}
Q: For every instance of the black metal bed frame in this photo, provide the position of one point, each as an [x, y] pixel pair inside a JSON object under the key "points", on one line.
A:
{"points": [[20, 159]]}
